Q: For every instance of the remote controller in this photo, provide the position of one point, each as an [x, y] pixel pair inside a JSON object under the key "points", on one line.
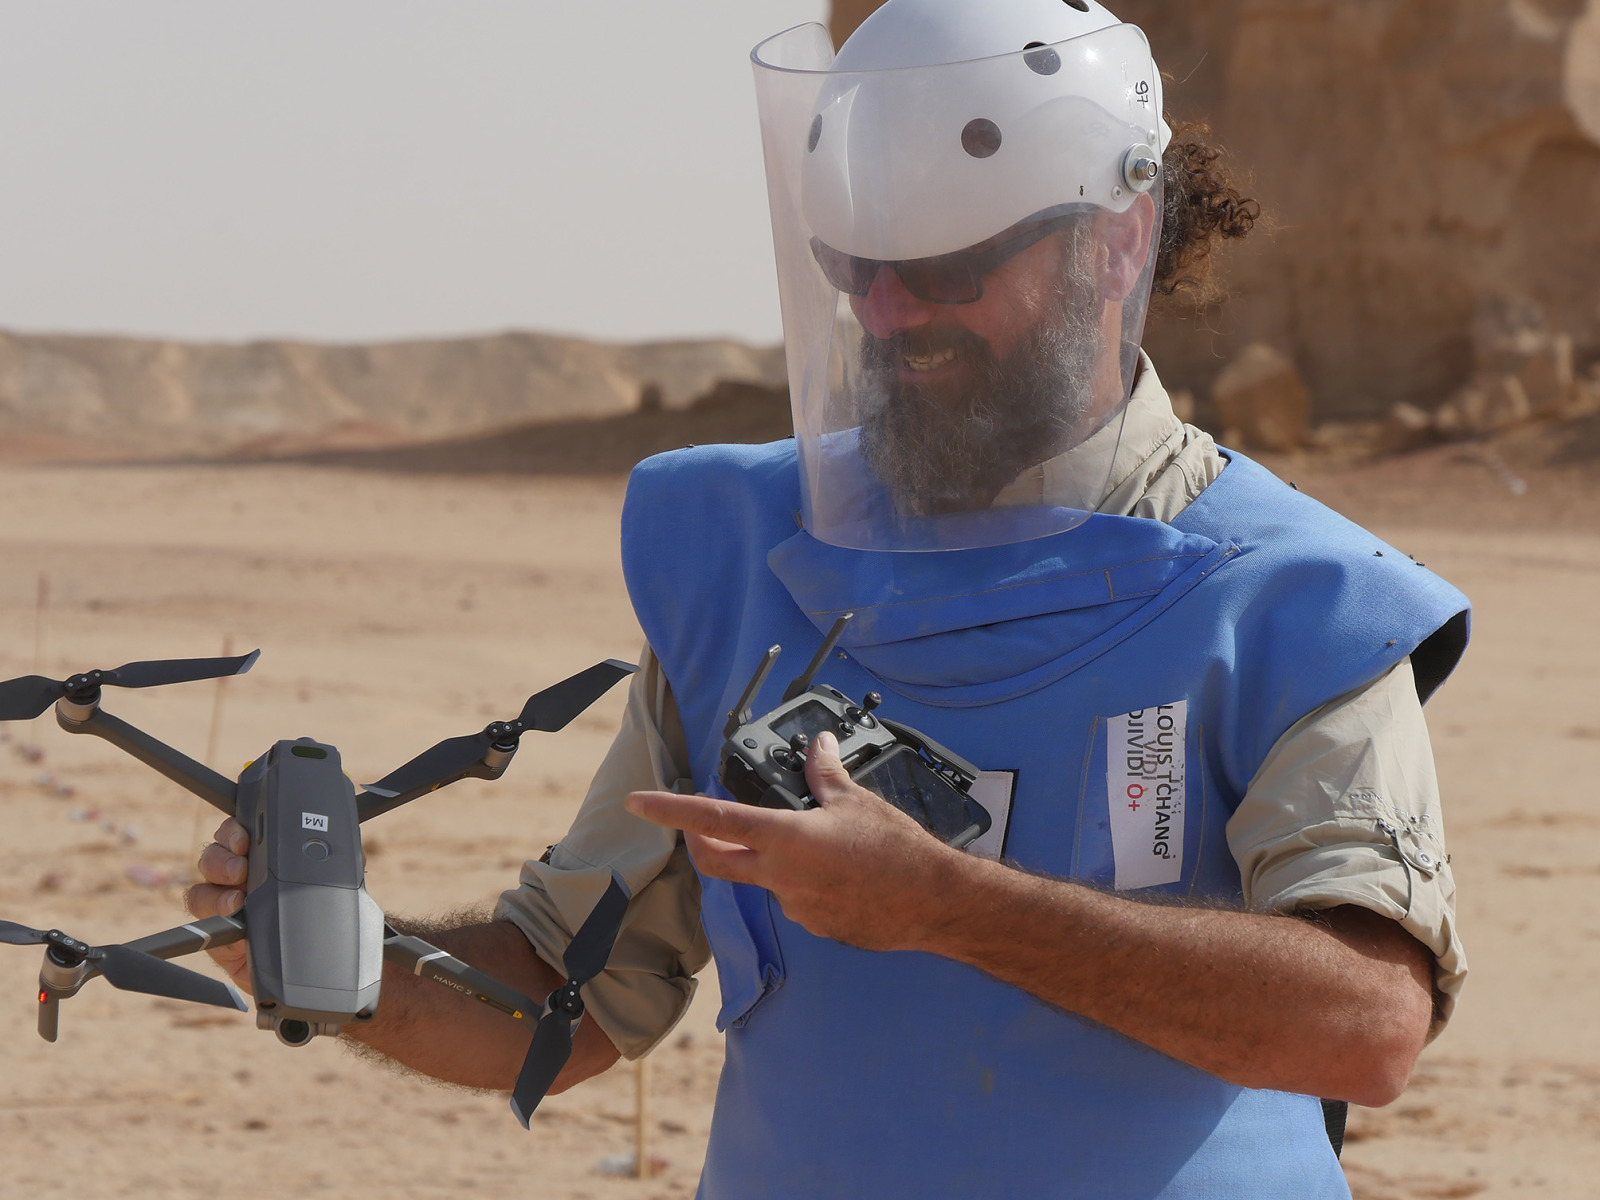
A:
{"points": [[763, 758]]}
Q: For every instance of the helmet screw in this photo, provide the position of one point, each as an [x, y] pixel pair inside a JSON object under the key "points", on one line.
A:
{"points": [[1140, 168]]}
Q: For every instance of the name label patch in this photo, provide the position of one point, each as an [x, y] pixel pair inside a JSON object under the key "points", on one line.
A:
{"points": [[314, 821], [1144, 788]]}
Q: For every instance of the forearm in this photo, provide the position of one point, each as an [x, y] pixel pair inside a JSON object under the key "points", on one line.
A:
{"points": [[439, 1032], [1337, 1008]]}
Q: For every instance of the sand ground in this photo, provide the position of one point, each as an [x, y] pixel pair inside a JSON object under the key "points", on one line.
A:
{"points": [[394, 610]]}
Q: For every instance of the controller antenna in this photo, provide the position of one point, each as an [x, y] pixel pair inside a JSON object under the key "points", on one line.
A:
{"points": [[742, 711], [803, 681]]}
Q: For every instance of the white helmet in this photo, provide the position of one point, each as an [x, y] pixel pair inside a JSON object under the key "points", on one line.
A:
{"points": [[1038, 103], [947, 136]]}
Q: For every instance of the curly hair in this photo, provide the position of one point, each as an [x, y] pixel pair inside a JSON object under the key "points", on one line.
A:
{"points": [[1202, 204]]}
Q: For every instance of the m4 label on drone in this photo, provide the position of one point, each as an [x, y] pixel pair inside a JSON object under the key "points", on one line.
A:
{"points": [[1144, 788], [314, 821]]}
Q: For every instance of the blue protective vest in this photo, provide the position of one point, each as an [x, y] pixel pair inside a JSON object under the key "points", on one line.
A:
{"points": [[856, 1073]]}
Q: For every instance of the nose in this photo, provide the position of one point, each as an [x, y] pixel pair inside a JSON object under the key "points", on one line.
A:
{"points": [[888, 309]]}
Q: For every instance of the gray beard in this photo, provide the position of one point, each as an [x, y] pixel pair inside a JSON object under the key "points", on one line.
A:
{"points": [[942, 450]]}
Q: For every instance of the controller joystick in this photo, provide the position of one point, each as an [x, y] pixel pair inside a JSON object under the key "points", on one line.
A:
{"points": [[862, 714], [793, 756]]}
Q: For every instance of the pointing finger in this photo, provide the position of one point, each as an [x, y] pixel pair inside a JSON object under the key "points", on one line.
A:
{"points": [[721, 819], [724, 860]]}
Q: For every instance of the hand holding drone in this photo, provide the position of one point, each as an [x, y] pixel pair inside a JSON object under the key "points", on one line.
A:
{"points": [[317, 941]]}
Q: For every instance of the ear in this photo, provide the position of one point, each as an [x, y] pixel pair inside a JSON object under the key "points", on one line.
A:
{"points": [[1125, 239]]}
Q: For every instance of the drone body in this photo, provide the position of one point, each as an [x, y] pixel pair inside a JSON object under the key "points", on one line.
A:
{"points": [[316, 937], [317, 941]]}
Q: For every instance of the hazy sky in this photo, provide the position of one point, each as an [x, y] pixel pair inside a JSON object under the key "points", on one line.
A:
{"points": [[358, 169]]}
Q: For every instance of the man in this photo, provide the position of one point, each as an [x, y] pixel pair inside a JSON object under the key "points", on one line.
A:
{"points": [[1215, 889]]}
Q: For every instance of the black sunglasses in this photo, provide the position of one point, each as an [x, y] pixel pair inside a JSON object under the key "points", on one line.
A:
{"points": [[955, 278]]}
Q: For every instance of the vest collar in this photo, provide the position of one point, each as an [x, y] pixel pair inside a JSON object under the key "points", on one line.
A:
{"points": [[990, 616]]}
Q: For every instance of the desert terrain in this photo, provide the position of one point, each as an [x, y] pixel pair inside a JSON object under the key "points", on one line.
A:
{"points": [[419, 534], [397, 602]]}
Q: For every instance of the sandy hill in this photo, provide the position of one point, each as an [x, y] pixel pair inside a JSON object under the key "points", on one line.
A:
{"points": [[119, 395], [605, 445]]}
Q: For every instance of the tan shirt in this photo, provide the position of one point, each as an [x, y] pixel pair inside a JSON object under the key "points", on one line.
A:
{"points": [[1344, 810]]}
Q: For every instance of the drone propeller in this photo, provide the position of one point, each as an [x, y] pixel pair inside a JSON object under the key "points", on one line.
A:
{"points": [[125, 969], [12, 934], [135, 971], [546, 711], [585, 958], [26, 698]]}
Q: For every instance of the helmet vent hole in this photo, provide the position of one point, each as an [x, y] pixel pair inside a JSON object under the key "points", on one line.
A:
{"points": [[980, 138], [1080, 5], [1041, 59], [816, 133]]}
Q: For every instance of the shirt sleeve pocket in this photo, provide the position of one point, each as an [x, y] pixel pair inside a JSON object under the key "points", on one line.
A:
{"points": [[1392, 864]]}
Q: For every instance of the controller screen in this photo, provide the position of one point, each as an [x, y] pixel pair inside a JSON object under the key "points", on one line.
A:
{"points": [[905, 781], [811, 718]]}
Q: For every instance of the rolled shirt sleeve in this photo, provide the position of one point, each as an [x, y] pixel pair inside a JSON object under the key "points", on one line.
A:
{"points": [[649, 981], [1345, 810]]}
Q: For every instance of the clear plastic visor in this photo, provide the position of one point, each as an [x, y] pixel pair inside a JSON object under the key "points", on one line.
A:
{"points": [[964, 277]]}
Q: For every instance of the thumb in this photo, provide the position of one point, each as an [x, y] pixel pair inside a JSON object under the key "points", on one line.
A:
{"points": [[824, 772]]}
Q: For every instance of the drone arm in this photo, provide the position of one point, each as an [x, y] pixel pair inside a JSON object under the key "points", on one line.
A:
{"points": [[214, 789], [374, 802], [189, 939], [417, 956], [58, 981]]}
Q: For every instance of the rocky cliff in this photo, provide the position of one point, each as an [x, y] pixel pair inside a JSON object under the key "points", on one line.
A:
{"points": [[1423, 162], [155, 397]]}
